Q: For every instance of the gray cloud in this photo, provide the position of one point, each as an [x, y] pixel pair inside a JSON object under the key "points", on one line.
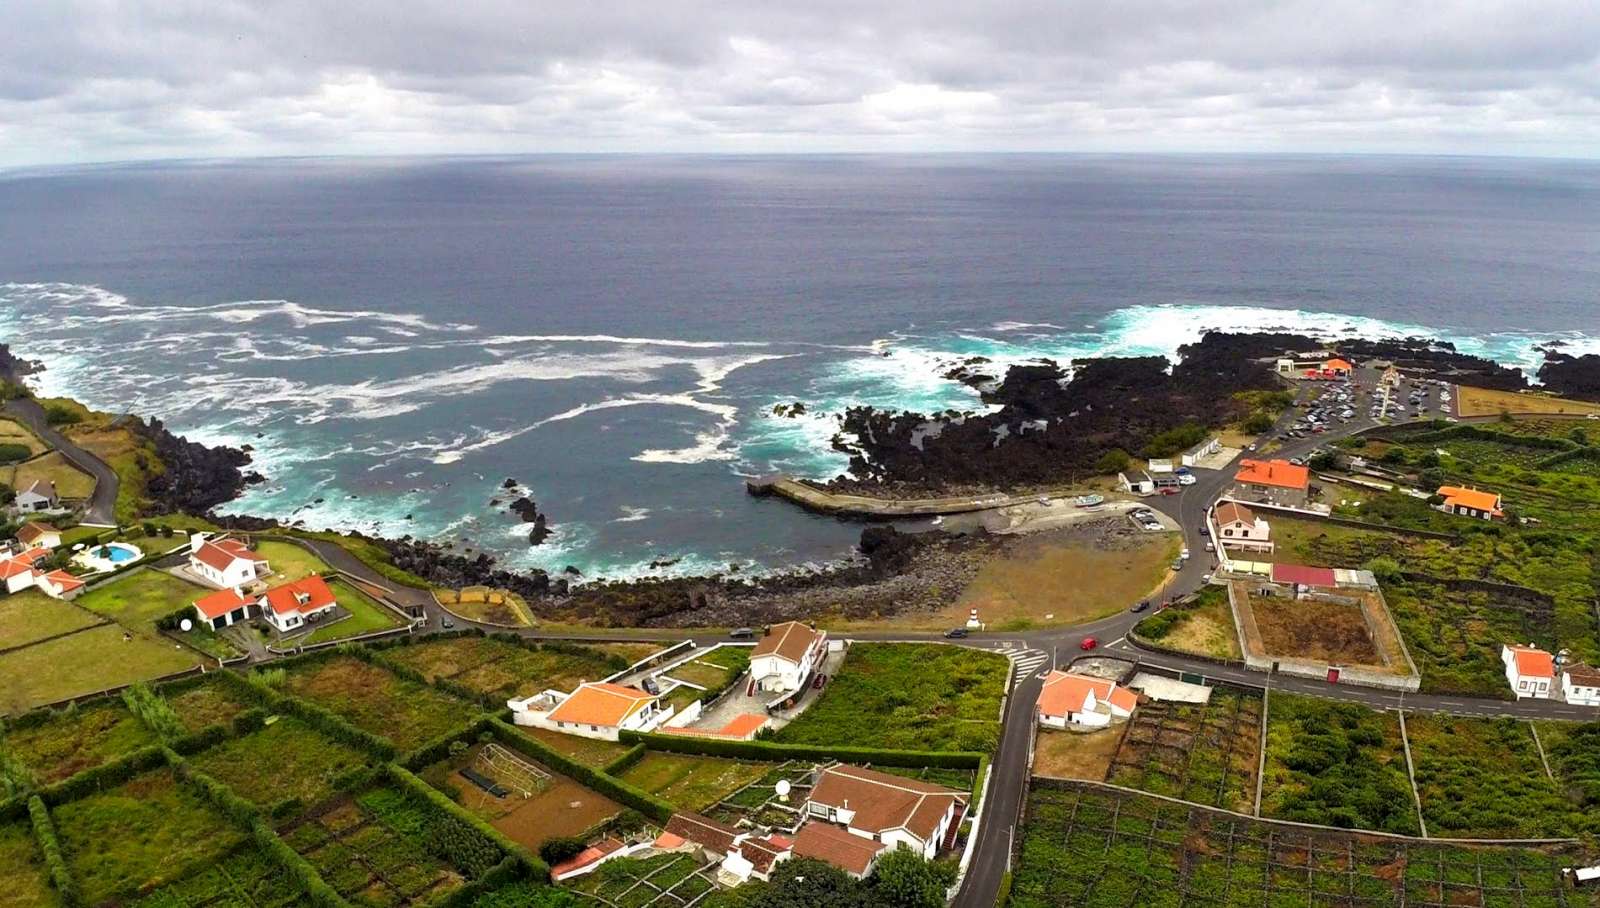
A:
{"points": [[84, 80]]}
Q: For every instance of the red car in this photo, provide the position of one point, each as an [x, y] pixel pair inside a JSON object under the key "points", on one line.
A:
{"points": [[1088, 643]]}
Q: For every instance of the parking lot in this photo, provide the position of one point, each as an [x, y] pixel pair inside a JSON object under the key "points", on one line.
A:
{"points": [[1363, 400]]}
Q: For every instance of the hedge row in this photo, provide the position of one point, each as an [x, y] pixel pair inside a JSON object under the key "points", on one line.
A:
{"points": [[316, 889], [502, 874], [433, 751], [615, 789], [777, 753], [1564, 456], [417, 788], [372, 656], [44, 833], [621, 764], [106, 775], [315, 716]]}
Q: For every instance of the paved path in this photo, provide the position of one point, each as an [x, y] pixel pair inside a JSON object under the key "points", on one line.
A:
{"points": [[103, 503], [815, 499]]}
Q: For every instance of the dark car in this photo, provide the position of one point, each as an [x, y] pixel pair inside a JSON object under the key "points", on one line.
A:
{"points": [[742, 633], [446, 623], [1139, 607], [956, 633]]}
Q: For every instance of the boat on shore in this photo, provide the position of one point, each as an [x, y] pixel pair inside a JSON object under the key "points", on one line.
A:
{"points": [[1089, 501]]}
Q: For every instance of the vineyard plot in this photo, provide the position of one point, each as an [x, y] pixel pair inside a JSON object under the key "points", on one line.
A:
{"points": [[1201, 752]]}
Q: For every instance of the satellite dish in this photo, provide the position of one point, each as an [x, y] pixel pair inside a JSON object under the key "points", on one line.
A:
{"points": [[783, 787], [186, 625]]}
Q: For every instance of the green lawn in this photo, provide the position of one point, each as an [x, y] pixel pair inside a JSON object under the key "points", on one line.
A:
{"points": [[507, 669], [84, 663], [691, 783], [366, 615], [1336, 764], [31, 615], [590, 752], [1483, 777], [139, 598], [372, 699], [285, 761], [207, 704], [289, 561], [77, 739], [147, 832], [908, 695], [22, 868]]}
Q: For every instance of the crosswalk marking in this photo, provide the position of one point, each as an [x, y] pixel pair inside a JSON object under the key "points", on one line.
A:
{"points": [[1026, 661]]}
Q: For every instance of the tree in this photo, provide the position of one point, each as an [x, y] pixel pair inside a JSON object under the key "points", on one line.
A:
{"points": [[1395, 455], [61, 415], [903, 879], [1324, 460], [561, 848], [1113, 461], [806, 883], [1258, 422]]}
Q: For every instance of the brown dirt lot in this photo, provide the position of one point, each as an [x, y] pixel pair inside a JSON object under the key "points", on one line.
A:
{"points": [[1076, 755], [1324, 631], [559, 807], [1482, 402]]}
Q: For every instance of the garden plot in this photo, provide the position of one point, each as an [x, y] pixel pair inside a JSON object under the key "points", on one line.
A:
{"points": [[245, 879], [506, 669], [145, 833], [533, 803], [663, 880], [69, 741], [690, 782], [591, 752], [1336, 764], [1484, 777], [1084, 846], [204, 704], [22, 870], [908, 695], [1200, 752], [1455, 629], [758, 803], [404, 712], [284, 766]]}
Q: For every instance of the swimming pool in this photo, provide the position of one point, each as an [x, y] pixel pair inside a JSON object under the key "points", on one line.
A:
{"points": [[118, 553]]}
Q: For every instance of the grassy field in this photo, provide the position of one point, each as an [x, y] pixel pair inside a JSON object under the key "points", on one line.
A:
{"points": [[288, 561], [144, 833], [244, 879], [27, 882], [370, 698], [1205, 753], [691, 783], [1455, 634], [588, 751], [1484, 778], [1484, 402], [1044, 584], [84, 663], [15, 433], [1084, 847], [140, 597], [366, 615], [715, 670], [77, 739], [206, 704], [70, 481], [1075, 755], [908, 695], [31, 615], [1203, 627], [1336, 764], [1573, 750], [285, 761], [506, 669]]}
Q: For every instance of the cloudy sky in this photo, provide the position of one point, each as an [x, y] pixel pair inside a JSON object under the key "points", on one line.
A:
{"points": [[98, 80]]}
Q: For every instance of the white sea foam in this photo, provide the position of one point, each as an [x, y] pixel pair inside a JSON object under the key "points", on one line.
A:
{"points": [[632, 514]]}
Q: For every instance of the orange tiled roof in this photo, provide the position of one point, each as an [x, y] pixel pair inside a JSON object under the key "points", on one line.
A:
{"points": [[63, 580], [1477, 499], [220, 553], [742, 726], [1234, 512], [882, 801], [599, 703], [1337, 364], [1280, 473], [788, 640], [33, 531], [833, 845], [1065, 692], [1533, 662], [215, 605], [306, 595]]}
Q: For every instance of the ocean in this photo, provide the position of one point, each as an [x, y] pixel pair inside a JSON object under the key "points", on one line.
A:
{"points": [[396, 337]]}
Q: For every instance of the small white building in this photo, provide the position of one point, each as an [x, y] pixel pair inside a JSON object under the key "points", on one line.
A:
{"points": [[1137, 482], [1082, 700], [57, 584], [225, 563], [40, 495], [18, 572], [1580, 684], [1530, 671], [1202, 450], [225, 608], [597, 709], [785, 656], [893, 810], [1241, 528], [35, 535], [1159, 465]]}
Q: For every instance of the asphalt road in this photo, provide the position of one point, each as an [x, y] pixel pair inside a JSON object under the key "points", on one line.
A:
{"points": [[102, 509]]}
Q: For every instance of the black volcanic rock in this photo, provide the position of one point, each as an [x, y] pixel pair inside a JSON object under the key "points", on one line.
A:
{"points": [[1573, 376], [525, 508], [197, 478]]}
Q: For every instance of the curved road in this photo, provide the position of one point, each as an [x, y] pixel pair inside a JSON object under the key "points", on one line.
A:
{"points": [[102, 509]]}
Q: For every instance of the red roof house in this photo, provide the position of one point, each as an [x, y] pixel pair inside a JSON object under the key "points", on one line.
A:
{"points": [[292, 604]]}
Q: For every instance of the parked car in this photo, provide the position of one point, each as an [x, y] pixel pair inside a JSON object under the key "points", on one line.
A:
{"points": [[1140, 606], [1088, 643], [1210, 547], [446, 623], [742, 633], [1187, 479], [956, 633]]}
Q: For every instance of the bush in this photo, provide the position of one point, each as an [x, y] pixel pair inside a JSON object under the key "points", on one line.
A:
{"points": [[61, 415], [156, 713], [1113, 461], [561, 848], [14, 453], [777, 753], [44, 832]]}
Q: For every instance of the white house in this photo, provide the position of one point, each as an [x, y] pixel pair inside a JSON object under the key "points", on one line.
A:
{"points": [[57, 584], [1530, 671], [225, 563], [1159, 465], [1082, 700], [597, 709], [289, 606], [1580, 684], [40, 495], [225, 608], [1241, 528], [18, 572], [35, 535], [893, 810], [785, 656]]}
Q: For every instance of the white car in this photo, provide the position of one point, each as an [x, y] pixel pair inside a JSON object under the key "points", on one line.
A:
{"points": [[1186, 479]]}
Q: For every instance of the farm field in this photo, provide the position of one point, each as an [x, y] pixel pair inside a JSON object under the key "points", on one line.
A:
{"points": [[1484, 402], [83, 663], [366, 615], [908, 695], [244, 879], [1075, 755], [141, 597], [1454, 632], [1336, 764], [70, 481], [1322, 631], [1483, 778], [662, 880], [691, 782], [1205, 753], [288, 561], [286, 763], [204, 705], [26, 881], [406, 713], [1090, 847], [73, 740], [539, 805], [141, 834], [1573, 749], [15, 433], [30, 616], [503, 668], [1203, 627], [591, 752]]}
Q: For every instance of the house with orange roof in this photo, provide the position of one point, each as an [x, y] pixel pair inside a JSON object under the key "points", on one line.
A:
{"points": [[57, 584], [1272, 482], [224, 562], [785, 656], [225, 608], [18, 572], [35, 535], [1082, 700], [836, 846], [893, 810], [1467, 502], [597, 709], [292, 605], [1338, 366], [1238, 527], [1530, 671]]}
